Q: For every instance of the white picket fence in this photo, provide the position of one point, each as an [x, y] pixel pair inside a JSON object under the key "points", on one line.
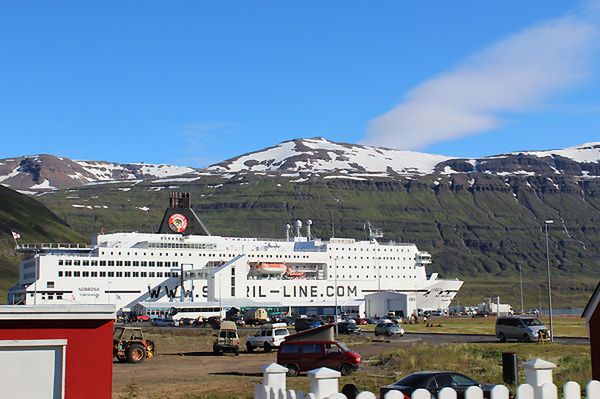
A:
{"points": [[324, 384]]}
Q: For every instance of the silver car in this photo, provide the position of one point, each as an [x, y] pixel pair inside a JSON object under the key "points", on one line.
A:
{"points": [[388, 329], [524, 329]]}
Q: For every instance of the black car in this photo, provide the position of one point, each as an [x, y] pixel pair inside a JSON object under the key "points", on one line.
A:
{"points": [[306, 324], [348, 328], [434, 381]]}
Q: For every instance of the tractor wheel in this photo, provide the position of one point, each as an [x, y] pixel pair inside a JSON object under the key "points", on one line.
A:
{"points": [[345, 369], [136, 353]]}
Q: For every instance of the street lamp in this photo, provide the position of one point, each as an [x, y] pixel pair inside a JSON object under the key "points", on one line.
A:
{"points": [[546, 223]]}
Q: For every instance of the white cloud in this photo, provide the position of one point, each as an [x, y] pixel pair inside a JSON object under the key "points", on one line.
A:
{"points": [[516, 74]]}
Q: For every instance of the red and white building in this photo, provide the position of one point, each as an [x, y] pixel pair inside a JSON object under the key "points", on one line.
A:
{"points": [[56, 351]]}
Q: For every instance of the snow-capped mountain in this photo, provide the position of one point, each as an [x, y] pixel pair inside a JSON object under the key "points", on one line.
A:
{"points": [[303, 158], [318, 155], [47, 172]]}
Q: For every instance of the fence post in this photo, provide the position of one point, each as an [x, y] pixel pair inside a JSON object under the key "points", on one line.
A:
{"points": [[572, 390], [366, 395], [261, 392], [274, 376], [474, 392], [525, 391], [499, 392], [538, 373], [447, 393], [421, 394], [593, 389], [549, 391], [323, 382]]}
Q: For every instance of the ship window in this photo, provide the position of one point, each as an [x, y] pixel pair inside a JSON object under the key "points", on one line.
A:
{"points": [[111, 274], [85, 274], [233, 271], [102, 274], [174, 274], [77, 274], [159, 264], [119, 263], [167, 264], [68, 262], [111, 262], [136, 274], [94, 274], [136, 263], [151, 263], [232, 291], [119, 274], [50, 296], [151, 274], [50, 284], [58, 296], [86, 262], [127, 274], [159, 274], [60, 262], [60, 273], [127, 263], [102, 263], [167, 274], [143, 274], [68, 274], [94, 263], [175, 264]]}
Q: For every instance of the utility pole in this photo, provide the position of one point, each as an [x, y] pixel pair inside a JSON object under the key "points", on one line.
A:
{"points": [[546, 223], [521, 281]]}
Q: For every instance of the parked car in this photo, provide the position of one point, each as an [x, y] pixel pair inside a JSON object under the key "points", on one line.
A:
{"points": [[227, 340], [389, 329], [269, 336], [309, 355], [361, 321], [434, 381], [348, 328], [525, 329], [142, 317], [306, 324], [164, 323]]}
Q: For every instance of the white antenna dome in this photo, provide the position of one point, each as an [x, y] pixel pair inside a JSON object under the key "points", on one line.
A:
{"points": [[309, 222], [288, 226], [298, 223]]}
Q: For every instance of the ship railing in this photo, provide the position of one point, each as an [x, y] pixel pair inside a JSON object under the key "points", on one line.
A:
{"points": [[45, 246]]}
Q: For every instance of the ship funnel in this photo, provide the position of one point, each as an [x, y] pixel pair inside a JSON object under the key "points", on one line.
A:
{"points": [[298, 225], [308, 224]]}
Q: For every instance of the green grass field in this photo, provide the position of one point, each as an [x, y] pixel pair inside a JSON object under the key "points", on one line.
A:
{"points": [[570, 326]]}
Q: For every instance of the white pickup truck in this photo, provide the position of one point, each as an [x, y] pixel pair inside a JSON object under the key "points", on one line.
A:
{"points": [[269, 336]]}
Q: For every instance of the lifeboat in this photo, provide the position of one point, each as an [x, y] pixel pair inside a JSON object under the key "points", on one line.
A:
{"points": [[271, 268], [290, 272]]}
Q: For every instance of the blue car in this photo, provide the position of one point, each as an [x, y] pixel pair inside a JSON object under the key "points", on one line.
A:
{"points": [[306, 324]]}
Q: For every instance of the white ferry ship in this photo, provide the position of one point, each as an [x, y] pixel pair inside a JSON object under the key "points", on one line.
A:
{"points": [[184, 262]]}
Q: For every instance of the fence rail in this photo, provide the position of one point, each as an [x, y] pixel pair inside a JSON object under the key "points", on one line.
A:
{"points": [[324, 384]]}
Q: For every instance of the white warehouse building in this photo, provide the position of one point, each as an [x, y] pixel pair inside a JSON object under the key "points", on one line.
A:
{"points": [[390, 302]]}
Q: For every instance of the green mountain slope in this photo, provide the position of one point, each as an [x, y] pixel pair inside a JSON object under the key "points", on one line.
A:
{"points": [[479, 227], [34, 222]]}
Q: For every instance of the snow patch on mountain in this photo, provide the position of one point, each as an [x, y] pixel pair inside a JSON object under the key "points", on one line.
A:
{"points": [[585, 153]]}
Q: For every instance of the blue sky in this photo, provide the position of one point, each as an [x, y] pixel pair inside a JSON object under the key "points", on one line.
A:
{"points": [[193, 82]]}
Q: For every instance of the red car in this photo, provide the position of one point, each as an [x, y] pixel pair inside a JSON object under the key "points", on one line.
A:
{"points": [[360, 321], [142, 317]]}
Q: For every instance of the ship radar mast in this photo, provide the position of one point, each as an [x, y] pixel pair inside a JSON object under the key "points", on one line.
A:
{"points": [[374, 232]]}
